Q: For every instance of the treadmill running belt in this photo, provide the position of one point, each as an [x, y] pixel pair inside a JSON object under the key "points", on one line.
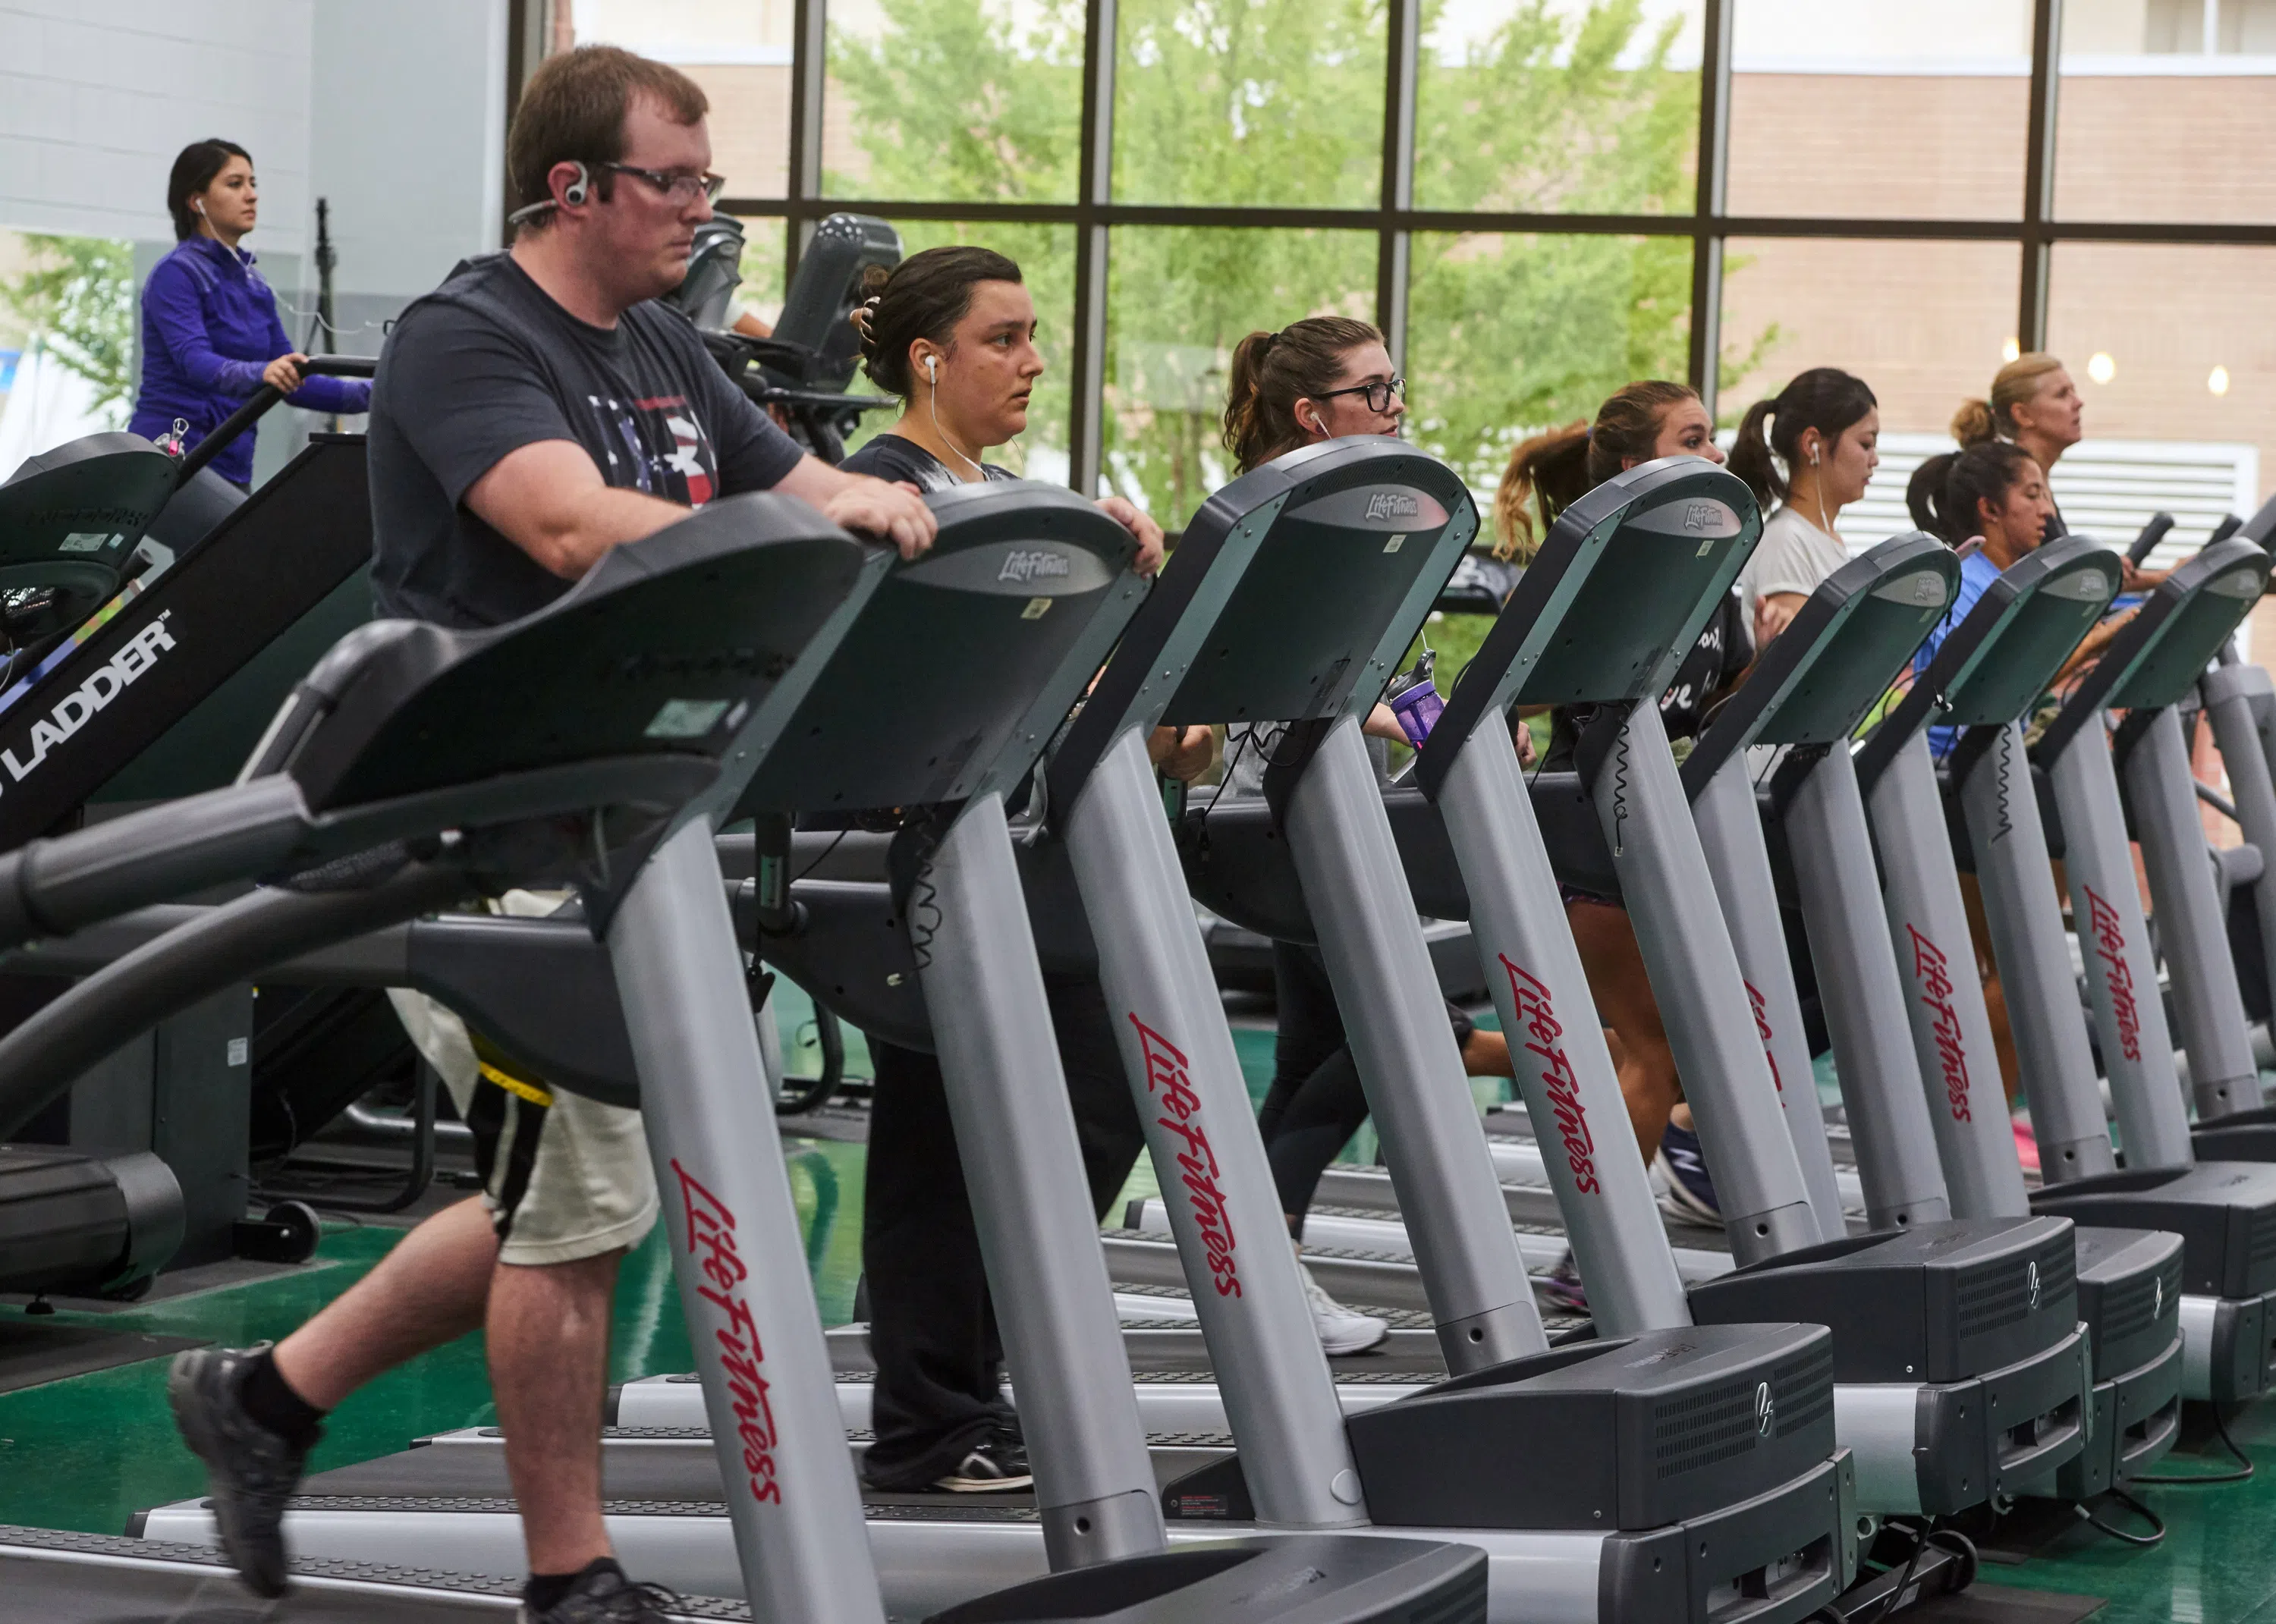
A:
{"points": [[105, 1580]]}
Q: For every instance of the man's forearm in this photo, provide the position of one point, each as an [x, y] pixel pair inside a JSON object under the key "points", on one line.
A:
{"points": [[601, 520]]}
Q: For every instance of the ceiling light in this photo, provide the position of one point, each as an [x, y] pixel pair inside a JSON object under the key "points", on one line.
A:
{"points": [[2011, 351], [2217, 380], [2100, 368]]}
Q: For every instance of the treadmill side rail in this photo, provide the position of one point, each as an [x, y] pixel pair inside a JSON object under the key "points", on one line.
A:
{"points": [[1646, 818], [1177, 1054], [1730, 827], [2192, 921], [1407, 1063], [1565, 1070], [727, 1206], [2121, 971]]}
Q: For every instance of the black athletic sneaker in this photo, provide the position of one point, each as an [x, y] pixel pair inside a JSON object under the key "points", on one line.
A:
{"points": [[251, 1472], [995, 1465], [605, 1596]]}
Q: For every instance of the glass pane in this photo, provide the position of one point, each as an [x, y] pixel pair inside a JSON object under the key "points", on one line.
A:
{"points": [[1580, 106], [1179, 299], [1045, 255], [740, 54], [1861, 108], [953, 100], [1272, 102], [1942, 321], [761, 294], [2163, 104], [2167, 345], [1507, 334]]}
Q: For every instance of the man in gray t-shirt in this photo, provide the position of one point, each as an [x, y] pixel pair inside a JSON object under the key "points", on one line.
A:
{"points": [[534, 412]]}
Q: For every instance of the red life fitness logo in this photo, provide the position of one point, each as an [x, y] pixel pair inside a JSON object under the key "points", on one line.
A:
{"points": [[1537, 1022], [2110, 947], [1933, 971], [1168, 1078], [711, 1237], [1762, 1031]]}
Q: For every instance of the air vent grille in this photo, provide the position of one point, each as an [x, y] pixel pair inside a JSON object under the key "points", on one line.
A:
{"points": [[2263, 1236], [1994, 1295], [2134, 1306], [1703, 1428], [1804, 1389]]}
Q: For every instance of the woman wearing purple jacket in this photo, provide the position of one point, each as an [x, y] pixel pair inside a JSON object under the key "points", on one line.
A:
{"points": [[210, 336]]}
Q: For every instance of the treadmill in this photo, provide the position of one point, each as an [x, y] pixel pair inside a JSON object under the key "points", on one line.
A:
{"points": [[1034, 577], [2224, 1212], [2240, 701], [1991, 671], [1803, 695]]}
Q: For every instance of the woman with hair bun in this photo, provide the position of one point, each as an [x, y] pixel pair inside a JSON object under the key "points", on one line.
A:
{"points": [[951, 331], [1812, 449], [1549, 473], [210, 333]]}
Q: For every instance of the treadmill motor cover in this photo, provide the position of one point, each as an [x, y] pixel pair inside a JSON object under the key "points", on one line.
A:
{"points": [[2224, 1213], [1642, 1431], [1943, 1302]]}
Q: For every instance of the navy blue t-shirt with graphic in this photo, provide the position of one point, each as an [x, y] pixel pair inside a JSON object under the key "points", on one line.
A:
{"points": [[488, 363]]}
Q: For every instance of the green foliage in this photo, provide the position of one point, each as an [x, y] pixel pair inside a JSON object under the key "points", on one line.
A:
{"points": [[1279, 102], [78, 299]]}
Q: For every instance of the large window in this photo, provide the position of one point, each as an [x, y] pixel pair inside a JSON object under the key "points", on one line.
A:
{"points": [[1538, 200]]}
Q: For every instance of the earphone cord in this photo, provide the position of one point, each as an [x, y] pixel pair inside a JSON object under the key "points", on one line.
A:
{"points": [[932, 409]]}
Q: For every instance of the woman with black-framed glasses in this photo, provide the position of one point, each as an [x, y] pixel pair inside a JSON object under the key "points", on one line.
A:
{"points": [[1322, 378]]}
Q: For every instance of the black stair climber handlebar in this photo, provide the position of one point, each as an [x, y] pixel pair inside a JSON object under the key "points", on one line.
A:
{"points": [[257, 406], [2152, 533]]}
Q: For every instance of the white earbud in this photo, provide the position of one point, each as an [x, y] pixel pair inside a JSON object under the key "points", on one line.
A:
{"points": [[932, 368], [198, 204], [578, 189]]}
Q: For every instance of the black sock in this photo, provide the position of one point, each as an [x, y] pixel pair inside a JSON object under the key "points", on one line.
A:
{"points": [[544, 1590], [270, 1401]]}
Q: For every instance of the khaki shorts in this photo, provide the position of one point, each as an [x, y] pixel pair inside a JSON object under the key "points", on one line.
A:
{"points": [[564, 1177]]}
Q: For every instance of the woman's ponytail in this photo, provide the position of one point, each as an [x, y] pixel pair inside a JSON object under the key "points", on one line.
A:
{"points": [[1750, 454], [1924, 498], [1546, 473], [1244, 404]]}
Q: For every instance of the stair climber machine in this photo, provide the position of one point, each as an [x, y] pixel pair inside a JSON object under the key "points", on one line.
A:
{"points": [[1985, 678], [803, 370], [119, 1186], [2238, 701], [1015, 610], [2225, 1211]]}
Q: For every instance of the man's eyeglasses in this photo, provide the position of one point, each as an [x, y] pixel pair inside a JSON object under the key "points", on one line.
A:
{"points": [[678, 187], [1377, 394]]}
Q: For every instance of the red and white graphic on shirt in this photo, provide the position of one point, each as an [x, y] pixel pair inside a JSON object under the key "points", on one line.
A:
{"points": [[658, 446]]}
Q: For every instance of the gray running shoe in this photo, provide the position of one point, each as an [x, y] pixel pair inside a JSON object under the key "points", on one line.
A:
{"points": [[251, 1472], [605, 1597]]}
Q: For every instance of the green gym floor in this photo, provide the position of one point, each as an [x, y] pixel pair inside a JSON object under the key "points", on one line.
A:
{"points": [[88, 1452]]}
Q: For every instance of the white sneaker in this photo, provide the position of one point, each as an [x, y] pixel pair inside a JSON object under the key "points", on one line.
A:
{"points": [[1342, 1331]]}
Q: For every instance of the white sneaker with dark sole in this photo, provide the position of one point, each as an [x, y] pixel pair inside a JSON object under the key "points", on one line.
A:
{"points": [[1342, 1331]]}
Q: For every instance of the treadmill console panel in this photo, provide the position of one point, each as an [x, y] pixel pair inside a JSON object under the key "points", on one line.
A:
{"points": [[2034, 636], [1644, 1432], [1939, 1303], [2169, 667]]}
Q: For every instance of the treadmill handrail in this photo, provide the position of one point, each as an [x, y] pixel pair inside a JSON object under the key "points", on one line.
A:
{"points": [[1966, 644], [1796, 652], [2136, 641], [1492, 680], [1159, 646], [257, 405]]}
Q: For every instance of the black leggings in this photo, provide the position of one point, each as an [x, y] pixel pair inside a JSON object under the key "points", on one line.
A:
{"points": [[1315, 1103], [932, 1332]]}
